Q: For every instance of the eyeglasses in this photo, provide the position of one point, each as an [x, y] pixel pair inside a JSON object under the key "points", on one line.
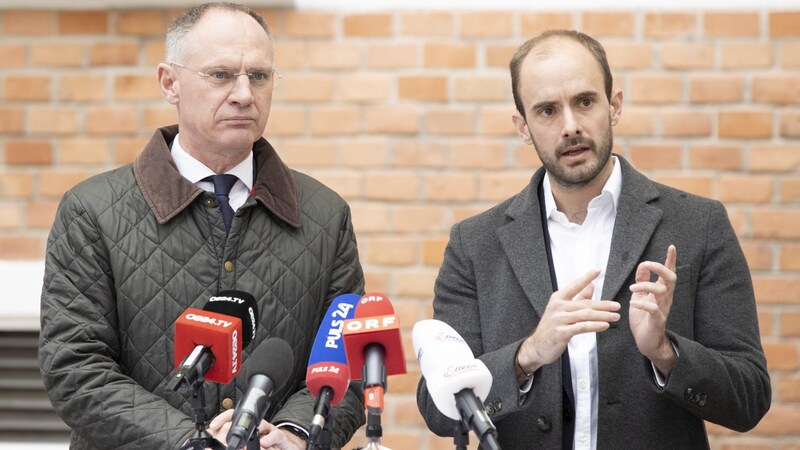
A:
{"points": [[222, 77]]}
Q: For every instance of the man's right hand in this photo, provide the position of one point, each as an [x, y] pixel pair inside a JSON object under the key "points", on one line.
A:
{"points": [[570, 311]]}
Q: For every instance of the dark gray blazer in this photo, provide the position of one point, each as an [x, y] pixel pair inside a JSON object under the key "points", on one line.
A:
{"points": [[494, 285]]}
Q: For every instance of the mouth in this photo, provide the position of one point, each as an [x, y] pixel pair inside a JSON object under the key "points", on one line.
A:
{"points": [[575, 150]]}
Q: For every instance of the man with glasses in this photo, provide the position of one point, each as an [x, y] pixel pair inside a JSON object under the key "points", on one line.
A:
{"points": [[207, 206]]}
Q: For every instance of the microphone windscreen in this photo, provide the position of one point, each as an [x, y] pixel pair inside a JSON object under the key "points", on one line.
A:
{"points": [[219, 333], [437, 345], [327, 364], [237, 304], [443, 385], [273, 358], [374, 322]]}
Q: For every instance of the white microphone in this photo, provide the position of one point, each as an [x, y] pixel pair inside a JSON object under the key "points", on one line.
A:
{"points": [[457, 381]]}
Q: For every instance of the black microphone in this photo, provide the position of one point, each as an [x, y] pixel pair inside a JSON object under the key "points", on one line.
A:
{"points": [[270, 366]]}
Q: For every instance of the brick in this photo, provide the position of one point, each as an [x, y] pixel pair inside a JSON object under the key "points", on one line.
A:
{"points": [[341, 120], [415, 283], [12, 55], [392, 55], [772, 223], [420, 219], [480, 154], [715, 156], [779, 89], [125, 150], [499, 55], [392, 185], [629, 55], [451, 187], [486, 24], [636, 121], [774, 158], [669, 25], [534, 23], [149, 22], [26, 22], [54, 183], [312, 88], [526, 156], [112, 120], [40, 215], [422, 87], [482, 88], [11, 217], [682, 55], [745, 189], [449, 55], [55, 120], [686, 123], [790, 324], [781, 356], [368, 25], [392, 251], [398, 439], [155, 52], [649, 156], [348, 185], [739, 55], [716, 88], [449, 121], [655, 89], [739, 219], [309, 24], [16, 185], [160, 116], [745, 124], [790, 54], [364, 152], [11, 119], [779, 421], [82, 22], [789, 190], [790, 123], [433, 251], [137, 87], [28, 87], [286, 122], [765, 323], [758, 254], [114, 54], [21, 247], [697, 185], [370, 217], [291, 55], [500, 186], [407, 414], [348, 55], [790, 257], [365, 88], [80, 150], [746, 443], [784, 24], [308, 153], [57, 54], [392, 120], [426, 23], [789, 387], [598, 24], [415, 153], [29, 152], [727, 24], [82, 87], [496, 121]]}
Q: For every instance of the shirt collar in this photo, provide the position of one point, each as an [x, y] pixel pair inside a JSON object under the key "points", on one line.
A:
{"points": [[194, 171], [612, 188]]}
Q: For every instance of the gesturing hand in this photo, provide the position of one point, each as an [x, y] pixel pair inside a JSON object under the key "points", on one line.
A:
{"points": [[650, 305], [569, 311]]}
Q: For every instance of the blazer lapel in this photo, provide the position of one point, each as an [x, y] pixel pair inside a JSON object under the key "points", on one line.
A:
{"points": [[635, 223], [522, 240]]}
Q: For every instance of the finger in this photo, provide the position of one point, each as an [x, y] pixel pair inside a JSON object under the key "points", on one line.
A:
{"points": [[578, 285], [672, 258], [596, 305], [218, 421], [586, 293], [588, 327], [648, 307], [649, 287]]}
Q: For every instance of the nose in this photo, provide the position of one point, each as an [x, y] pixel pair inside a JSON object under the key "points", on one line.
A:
{"points": [[570, 127], [241, 92]]}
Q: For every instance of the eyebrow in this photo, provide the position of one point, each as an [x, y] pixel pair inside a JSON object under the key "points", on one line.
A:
{"points": [[550, 103]]}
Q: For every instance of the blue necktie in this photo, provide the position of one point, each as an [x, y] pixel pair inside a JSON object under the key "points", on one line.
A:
{"points": [[222, 187]]}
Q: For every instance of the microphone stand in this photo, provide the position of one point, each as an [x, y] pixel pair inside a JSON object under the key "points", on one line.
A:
{"points": [[461, 436], [201, 439], [326, 435]]}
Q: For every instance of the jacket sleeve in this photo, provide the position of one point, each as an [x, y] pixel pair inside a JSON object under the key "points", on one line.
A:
{"points": [[79, 347], [346, 277], [721, 374]]}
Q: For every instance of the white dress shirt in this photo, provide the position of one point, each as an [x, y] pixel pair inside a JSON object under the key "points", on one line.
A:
{"points": [[576, 250], [194, 171]]}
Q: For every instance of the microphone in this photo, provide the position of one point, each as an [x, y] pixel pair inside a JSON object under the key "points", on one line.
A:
{"points": [[270, 366], [328, 375], [456, 380], [209, 341]]}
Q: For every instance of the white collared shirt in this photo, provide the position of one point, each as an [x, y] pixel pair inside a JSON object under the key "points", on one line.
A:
{"points": [[576, 250], [194, 171]]}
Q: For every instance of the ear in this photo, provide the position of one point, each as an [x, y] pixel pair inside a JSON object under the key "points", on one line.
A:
{"points": [[168, 83], [615, 106], [522, 128]]}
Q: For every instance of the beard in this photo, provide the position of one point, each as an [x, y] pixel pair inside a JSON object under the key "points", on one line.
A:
{"points": [[574, 177]]}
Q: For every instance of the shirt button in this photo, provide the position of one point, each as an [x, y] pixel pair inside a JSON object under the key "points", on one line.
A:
{"points": [[227, 403], [209, 202], [583, 437], [582, 384], [228, 266]]}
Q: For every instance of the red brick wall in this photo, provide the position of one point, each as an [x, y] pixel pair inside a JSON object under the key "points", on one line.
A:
{"points": [[407, 115]]}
